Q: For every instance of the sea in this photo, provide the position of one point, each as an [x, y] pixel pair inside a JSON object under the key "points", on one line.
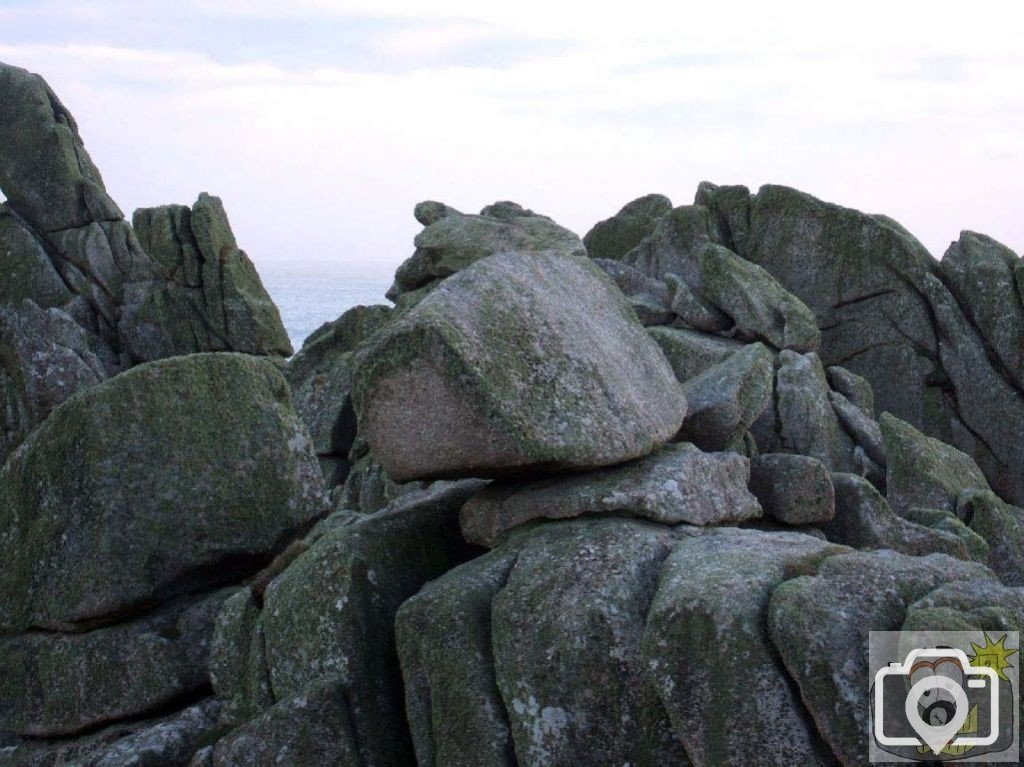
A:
{"points": [[308, 298]]}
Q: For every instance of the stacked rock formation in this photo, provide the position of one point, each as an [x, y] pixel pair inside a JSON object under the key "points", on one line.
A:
{"points": [[632, 499]]}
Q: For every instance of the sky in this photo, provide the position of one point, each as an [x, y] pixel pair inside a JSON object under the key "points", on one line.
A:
{"points": [[321, 123]]}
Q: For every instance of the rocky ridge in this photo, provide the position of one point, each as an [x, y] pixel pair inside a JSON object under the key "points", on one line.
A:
{"points": [[568, 502]]}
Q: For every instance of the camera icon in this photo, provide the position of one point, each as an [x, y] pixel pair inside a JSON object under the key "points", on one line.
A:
{"points": [[942, 697]]}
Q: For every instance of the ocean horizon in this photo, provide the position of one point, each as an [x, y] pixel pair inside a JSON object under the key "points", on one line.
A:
{"points": [[307, 298]]}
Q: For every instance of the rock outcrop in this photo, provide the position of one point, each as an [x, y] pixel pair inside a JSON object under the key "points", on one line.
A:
{"points": [[635, 503], [66, 249]]}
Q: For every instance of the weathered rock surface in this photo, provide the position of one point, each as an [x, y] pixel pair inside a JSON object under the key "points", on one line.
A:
{"points": [[616, 236], [651, 299], [923, 471], [58, 684], [968, 606], [725, 399], [207, 273], [65, 246], [807, 423], [981, 274], [819, 624], [320, 376], [518, 362], [690, 352], [326, 629], [590, 702], [312, 728], [453, 241], [853, 387], [759, 307], [445, 637], [172, 474], [162, 742], [677, 484], [793, 489], [621, 617], [708, 653], [1002, 527], [862, 428], [886, 316], [47, 357], [864, 520]]}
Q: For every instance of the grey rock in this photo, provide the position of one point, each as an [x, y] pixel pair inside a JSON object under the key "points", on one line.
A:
{"points": [[328, 618], [368, 488], [320, 376], [706, 649], [672, 246], [455, 711], [238, 659], [793, 489], [968, 606], [980, 273], [852, 386], [924, 472], [173, 474], [864, 520], [807, 421], [210, 283], [572, 700], [518, 362], [820, 623], [864, 429], [677, 484], [430, 211], [989, 408], [616, 236], [30, 274], [692, 311], [649, 297], [167, 741], [759, 307], [54, 684], [45, 171], [312, 728], [725, 399], [1001, 526], [45, 357], [729, 209], [454, 241], [887, 317], [690, 352], [939, 519]]}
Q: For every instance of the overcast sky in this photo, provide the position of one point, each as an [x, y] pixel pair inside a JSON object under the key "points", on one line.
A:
{"points": [[322, 122]]}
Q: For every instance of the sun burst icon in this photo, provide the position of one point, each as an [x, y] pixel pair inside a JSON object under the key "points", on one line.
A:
{"points": [[993, 655]]}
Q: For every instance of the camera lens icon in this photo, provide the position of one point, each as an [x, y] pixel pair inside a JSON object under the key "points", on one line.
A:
{"points": [[936, 705]]}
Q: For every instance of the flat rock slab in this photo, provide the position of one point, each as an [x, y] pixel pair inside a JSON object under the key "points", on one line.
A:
{"points": [[520, 363], [678, 484], [171, 475], [54, 684]]}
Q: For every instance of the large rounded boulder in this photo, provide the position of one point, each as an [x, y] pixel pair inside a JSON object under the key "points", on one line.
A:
{"points": [[171, 476], [520, 362]]}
